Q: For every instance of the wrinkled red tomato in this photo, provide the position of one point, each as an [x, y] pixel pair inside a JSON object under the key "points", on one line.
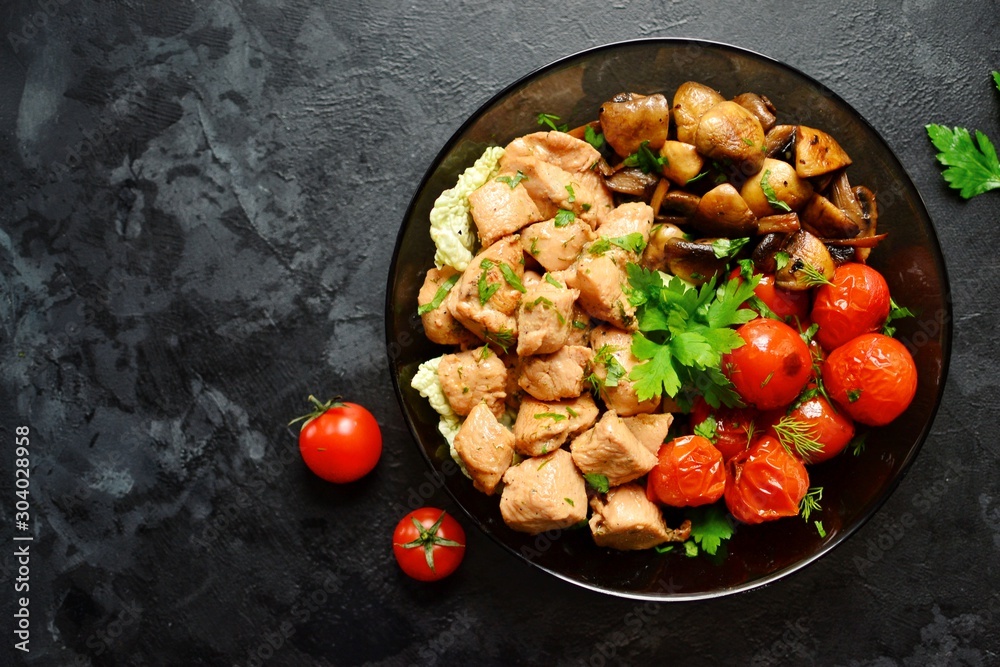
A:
{"points": [[689, 472], [827, 428], [772, 367], [872, 377], [792, 307], [733, 426], [765, 482], [855, 302]]}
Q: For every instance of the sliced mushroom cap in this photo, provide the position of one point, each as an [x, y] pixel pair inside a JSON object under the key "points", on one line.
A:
{"points": [[763, 253], [816, 153], [730, 134], [809, 263], [691, 100], [722, 212], [759, 106], [654, 256], [684, 204], [683, 161], [783, 223], [628, 119], [869, 217], [824, 219], [785, 184], [632, 181], [780, 142], [694, 261]]}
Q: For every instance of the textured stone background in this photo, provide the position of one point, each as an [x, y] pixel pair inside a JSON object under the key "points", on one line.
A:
{"points": [[197, 209]]}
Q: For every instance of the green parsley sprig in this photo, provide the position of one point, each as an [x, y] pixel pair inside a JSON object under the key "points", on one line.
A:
{"points": [[971, 165]]}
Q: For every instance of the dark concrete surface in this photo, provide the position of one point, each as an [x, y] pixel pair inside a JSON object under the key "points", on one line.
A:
{"points": [[197, 208]]}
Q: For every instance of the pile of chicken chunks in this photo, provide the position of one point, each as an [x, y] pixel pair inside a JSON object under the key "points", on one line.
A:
{"points": [[540, 352]]}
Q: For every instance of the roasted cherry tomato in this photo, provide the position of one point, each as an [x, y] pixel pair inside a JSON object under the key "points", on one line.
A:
{"points": [[855, 302], [429, 544], [773, 365], [792, 307], [814, 429], [340, 442], [765, 482], [733, 426], [872, 377], [689, 472]]}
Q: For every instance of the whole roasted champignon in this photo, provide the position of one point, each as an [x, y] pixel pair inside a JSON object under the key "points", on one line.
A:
{"points": [[759, 106], [691, 101], [723, 212], [731, 135], [809, 263], [785, 185], [629, 119], [693, 261]]}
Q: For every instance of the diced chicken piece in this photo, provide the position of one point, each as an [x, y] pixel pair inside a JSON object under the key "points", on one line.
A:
{"points": [[556, 248], [486, 448], [626, 519], [499, 210], [550, 377], [473, 377], [612, 365], [559, 175], [439, 325], [543, 426], [581, 326], [543, 320], [601, 279], [490, 316], [513, 389], [650, 429], [530, 279], [543, 493], [611, 450], [630, 218]]}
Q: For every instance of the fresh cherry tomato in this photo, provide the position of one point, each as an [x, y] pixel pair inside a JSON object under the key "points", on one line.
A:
{"points": [[856, 301], [689, 472], [825, 432], [429, 544], [773, 366], [340, 442], [872, 377], [765, 482], [733, 426], [790, 306]]}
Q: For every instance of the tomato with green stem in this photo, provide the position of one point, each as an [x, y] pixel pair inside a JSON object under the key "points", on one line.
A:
{"points": [[429, 544], [733, 427], [340, 442]]}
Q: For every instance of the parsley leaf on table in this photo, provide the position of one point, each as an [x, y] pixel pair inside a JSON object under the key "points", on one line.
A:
{"points": [[972, 166]]}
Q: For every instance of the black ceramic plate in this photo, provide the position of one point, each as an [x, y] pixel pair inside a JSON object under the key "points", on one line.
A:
{"points": [[910, 259]]}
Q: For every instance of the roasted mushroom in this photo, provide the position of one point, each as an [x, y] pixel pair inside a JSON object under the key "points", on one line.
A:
{"points": [[693, 261], [683, 161], [632, 181], [825, 219], [759, 106], [691, 100], [809, 263], [654, 256], [817, 153], [629, 119], [785, 186], [732, 135], [722, 212], [780, 142]]}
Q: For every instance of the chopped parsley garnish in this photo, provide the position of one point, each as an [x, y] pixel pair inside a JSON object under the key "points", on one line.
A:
{"points": [[512, 181], [813, 276], [748, 142], [564, 217], [694, 179], [572, 195], [710, 527], [853, 395], [819, 528], [570, 502], [810, 502], [578, 324], [511, 278], [486, 288], [571, 412], [644, 158], [503, 338], [614, 371], [724, 247], [781, 259], [549, 120], [595, 139], [972, 166], [706, 429], [633, 242], [534, 246], [896, 312], [683, 333], [598, 481], [440, 295], [772, 197], [554, 416], [857, 444], [552, 281]]}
